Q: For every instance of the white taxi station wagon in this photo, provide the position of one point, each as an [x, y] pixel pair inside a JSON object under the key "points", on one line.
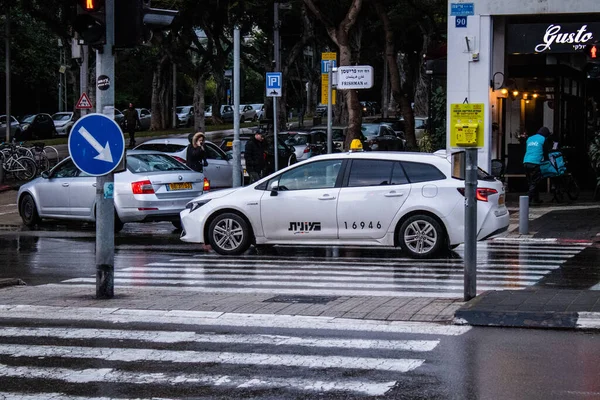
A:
{"points": [[393, 199]]}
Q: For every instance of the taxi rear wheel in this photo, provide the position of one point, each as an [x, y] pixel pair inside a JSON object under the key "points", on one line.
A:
{"points": [[421, 236], [229, 234]]}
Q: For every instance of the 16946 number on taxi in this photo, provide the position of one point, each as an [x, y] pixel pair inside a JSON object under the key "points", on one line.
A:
{"points": [[362, 225]]}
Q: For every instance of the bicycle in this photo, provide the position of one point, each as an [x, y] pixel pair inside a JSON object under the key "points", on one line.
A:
{"points": [[562, 182], [22, 167]]}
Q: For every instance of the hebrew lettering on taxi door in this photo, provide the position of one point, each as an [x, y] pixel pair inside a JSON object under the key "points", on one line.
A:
{"points": [[302, 227]]}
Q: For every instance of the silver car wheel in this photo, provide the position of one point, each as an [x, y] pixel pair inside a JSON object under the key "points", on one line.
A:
{"points": [[421, 237], [229, 234]]}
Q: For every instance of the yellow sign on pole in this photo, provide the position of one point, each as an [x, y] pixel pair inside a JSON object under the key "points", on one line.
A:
{"points": [[466, 125], [328, 59]]}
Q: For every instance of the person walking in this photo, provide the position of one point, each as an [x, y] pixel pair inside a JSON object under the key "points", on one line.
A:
{"points": [[196, 153], [254, 155], [536, 151], [132, 121]]}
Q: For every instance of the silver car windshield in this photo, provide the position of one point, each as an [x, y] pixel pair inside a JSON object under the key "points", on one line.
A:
{"points": [[140, 163]]}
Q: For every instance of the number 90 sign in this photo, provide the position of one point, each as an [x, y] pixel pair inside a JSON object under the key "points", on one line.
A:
{"points": [[461, 22]]}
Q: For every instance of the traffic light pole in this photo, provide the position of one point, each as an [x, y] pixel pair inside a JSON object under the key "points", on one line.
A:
{"points": [[105, 211]]}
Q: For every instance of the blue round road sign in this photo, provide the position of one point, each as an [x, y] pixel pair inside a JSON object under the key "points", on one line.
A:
{"points": [[96, 144]]}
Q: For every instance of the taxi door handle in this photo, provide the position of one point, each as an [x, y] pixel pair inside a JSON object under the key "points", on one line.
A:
{"points": [[393, 193], [327, 197], [65, 184], [93, 184]]}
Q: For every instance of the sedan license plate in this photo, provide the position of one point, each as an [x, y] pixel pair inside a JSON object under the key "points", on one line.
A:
{"points": [[501, 200], [179, 186]]}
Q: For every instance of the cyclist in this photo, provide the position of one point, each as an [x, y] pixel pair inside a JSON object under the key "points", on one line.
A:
{"points": [[537, 148]]}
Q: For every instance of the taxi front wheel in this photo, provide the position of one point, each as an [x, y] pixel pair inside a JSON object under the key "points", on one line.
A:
{"points": [[421, 236], [229, 234]]}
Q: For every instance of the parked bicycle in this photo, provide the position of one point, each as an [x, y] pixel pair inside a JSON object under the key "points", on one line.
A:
{"points": [[562, 181], [22, 167]]}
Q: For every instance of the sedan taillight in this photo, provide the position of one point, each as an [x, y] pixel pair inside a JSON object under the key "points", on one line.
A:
{"points": [[142, 187], [481, 194], [206, 185], [307, 149]]}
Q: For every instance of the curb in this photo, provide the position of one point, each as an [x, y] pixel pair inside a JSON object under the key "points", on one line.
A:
{"points": [[11, 282]]}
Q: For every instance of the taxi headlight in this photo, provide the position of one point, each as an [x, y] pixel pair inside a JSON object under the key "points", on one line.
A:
{"points": [[194, 205]]}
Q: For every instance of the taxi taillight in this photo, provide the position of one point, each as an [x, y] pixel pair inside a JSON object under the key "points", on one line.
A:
{"points": [[481, 194], [206, 185]]}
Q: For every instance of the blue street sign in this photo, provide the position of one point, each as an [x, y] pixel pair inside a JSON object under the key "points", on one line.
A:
{"points": [[325, 64], [461, 22], [462, 9], [273, 82], [96, 144]]}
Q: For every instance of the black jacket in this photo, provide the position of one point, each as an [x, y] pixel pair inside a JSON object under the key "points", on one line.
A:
{"points": [[254, 154], [196, 158]]}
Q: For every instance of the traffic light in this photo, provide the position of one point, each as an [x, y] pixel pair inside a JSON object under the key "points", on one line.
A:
{"points": [[90, 22], [592, 52], [135, 20]]}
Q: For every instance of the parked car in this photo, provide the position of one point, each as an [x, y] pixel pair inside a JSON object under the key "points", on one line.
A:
{"points": [[420, 126], [338, 133], [37, 126], [120, 118], [260, 110], [219, 168], [381, 137], [15, 127], [155, 187], [247, 113], [63, 122], [145, 118], [226, 114], [287, 155], [305, 144], [406, 200], [185, 116], [396, 124]]}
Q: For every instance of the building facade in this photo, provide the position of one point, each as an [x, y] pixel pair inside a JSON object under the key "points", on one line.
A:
{"points": [[531, 64]]}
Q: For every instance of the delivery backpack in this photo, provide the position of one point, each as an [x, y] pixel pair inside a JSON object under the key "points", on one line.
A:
{"points": [[555, 166]]}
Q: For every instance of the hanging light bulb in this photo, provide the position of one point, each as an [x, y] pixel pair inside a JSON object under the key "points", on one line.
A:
{"points": [[515, 93], [504, 91], [535, 95]]}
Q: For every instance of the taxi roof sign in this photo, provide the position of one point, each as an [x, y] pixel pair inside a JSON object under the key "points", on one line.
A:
{"points": [[356, 145]]}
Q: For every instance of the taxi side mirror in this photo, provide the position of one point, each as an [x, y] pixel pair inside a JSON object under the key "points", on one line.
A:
{"points": [[274, 188]]}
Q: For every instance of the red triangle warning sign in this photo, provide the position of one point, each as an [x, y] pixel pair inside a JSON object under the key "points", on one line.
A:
{"points": [[84, 102]]}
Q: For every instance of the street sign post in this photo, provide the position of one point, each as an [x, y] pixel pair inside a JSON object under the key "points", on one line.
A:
{"points": [[273, 82], [96, 144], [328, 61]]}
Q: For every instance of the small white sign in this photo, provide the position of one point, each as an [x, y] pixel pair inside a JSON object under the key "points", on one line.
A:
{"points": [[355, 77]]}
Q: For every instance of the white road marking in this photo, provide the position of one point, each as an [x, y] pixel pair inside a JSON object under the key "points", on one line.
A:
{"points": [[109, 375], [55, 396], [116, 315], [185, 337], [221, 357], [588, 320]]}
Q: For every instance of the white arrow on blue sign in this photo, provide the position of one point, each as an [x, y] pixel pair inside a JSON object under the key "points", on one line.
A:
{"points": [[96, 144]]}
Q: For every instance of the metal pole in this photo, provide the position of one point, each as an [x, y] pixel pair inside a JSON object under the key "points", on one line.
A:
{"points": [[385, 97], [237, 166], [329, 111], [83, 74], [524, 215], [60, 77], [470, 224], [105, 211], [174, 95], [276, 154], [7, 40]]}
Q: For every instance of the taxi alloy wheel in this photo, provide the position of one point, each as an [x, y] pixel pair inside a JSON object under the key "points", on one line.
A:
{"points": [[421, 236], [229, 234]]}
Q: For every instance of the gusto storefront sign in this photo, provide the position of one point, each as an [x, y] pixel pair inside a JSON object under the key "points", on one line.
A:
{"points": [[551, 38]]}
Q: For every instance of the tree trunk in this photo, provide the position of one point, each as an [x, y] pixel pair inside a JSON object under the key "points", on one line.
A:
{"points": [[398, 94], [161, 83], [199, 105]]}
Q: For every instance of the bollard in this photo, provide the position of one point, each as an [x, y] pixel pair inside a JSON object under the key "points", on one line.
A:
{"points": [[524, 215]]}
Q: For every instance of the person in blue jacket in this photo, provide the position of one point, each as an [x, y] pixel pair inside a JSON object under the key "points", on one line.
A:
{"points": [[536, 151]]}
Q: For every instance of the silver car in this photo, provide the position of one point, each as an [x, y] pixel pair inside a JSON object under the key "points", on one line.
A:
{"points": [[63, 122], [155, 187], [219, 169], [15, 127]]}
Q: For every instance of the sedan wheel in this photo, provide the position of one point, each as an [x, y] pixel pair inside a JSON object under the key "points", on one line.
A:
{"points": [[28, 211], [421, 236], [229, 234]]}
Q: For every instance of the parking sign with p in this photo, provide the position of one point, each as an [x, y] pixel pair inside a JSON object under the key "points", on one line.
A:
{"points": [[273, 82]]}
